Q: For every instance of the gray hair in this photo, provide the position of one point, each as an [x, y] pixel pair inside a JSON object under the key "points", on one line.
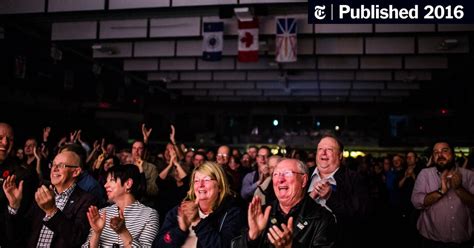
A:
{"points": [[301, 166]]}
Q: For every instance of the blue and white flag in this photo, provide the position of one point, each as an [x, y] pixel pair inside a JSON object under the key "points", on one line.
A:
{"points": [[213, 39], [286, 45]]}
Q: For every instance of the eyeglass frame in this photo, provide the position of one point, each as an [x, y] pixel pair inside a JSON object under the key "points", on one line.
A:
{"points": [[205, 179], [286, 174], [62, 166]]}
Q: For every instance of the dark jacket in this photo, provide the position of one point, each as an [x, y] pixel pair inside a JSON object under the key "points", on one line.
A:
{"points": [[30, 183], [217, 230], [89, 184], [351, 196], [313, 226], [349, 201], [70, 226]]}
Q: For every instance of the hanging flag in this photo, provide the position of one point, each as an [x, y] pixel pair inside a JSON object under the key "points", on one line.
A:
{"points": [[213, 34], [286, 48], [248, 41]]}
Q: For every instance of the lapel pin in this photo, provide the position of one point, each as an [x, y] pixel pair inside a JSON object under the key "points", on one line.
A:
{"points": [[273, 221], [300, 226]]}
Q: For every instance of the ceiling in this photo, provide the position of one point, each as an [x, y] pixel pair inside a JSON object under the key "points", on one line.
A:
{"points": [[113, 50]]}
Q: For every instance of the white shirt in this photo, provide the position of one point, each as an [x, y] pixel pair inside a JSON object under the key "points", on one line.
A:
{"points": [[315, 178], [191, 240]]}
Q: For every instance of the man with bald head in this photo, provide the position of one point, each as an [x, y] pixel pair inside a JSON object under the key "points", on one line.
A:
{"points": [[293, 219], [6, 141], [10, 166], [223, 155], [58, 216]]}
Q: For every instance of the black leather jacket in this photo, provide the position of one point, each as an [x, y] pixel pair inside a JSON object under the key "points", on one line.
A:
{"points": [[313, 226]]}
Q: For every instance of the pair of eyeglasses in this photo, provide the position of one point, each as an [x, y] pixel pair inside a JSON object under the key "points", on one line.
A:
{"points": [[221, 155], [62, 166], [206, 180], [286, 174]]}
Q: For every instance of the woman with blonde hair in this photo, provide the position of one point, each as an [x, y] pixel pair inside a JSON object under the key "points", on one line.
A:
{"points": [[207, 217]]}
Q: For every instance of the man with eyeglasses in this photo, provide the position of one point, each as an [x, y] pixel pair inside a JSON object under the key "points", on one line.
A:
{"points": [[223, 155], [445, 195], [256, 178], [234, 177], [341, 190], [85, 180], [58, 216], [293, 219]]}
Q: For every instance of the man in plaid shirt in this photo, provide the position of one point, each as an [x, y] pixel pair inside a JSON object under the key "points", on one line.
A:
{"points": [[58, 219]]}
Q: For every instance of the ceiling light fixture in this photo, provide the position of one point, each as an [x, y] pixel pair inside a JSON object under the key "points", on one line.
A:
{"points": [[244, 14], [448, 44], [166, 79], [104, 49]]}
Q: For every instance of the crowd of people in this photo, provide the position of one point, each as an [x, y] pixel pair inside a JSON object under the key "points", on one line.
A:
{"points": [[79, 194]]}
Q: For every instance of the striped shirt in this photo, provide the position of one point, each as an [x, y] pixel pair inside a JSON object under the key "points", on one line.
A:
{"points": [[141, 221], [46, 235]]}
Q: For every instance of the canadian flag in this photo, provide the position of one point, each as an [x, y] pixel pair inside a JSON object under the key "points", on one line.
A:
{"points": [[248, 41]]}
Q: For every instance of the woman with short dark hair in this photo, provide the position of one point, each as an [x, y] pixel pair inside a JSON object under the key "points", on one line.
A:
{"points": [[127, 223]]}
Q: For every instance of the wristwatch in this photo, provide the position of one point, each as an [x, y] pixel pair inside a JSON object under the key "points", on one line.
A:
{"points": [[440, 191]]}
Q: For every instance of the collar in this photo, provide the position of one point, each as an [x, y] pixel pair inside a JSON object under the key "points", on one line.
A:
{"points": [[133, 205], [330, 178], [202, 215], [66, 192], [293, 211]]}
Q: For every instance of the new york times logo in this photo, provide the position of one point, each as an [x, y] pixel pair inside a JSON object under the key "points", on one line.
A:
{"points": [[319, 12], [390, 11]]}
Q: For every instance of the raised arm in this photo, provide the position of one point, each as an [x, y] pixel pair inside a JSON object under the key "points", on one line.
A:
{"points": [[45, 146], [146, 133], [164, 173], [179, 153], [38, 162], [146, 138]]}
